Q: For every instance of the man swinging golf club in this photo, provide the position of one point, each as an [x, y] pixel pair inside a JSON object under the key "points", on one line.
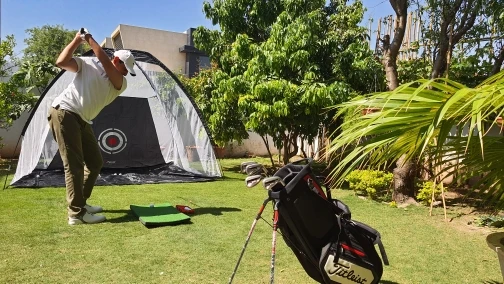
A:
{"points": [[97, 82]]}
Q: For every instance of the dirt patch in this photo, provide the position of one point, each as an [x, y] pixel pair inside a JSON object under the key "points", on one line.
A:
{"points": [[462, 214]]}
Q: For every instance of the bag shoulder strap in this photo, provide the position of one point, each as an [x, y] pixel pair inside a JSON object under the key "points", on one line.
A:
{"points": [[375, 235]]}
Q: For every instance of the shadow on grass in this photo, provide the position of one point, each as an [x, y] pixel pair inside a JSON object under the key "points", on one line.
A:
{"points": [[153, 226], [230, 178], [387, 282], [128, 217], [216, 211], [491, 282], [235, 169]]}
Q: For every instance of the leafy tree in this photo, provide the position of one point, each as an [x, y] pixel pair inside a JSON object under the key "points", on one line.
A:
{"points": [[460, 40], [43, 45], [224, 119], [413, 69], [234, 17], [36, 76], [12, 101], [7, 56], [450, 22], [423, 115], [251, 17], [281, 77], [292, 77], [495, 12], [480, 52]]}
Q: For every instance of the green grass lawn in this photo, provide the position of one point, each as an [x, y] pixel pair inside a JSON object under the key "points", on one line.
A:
{"points": [[37, 245]]}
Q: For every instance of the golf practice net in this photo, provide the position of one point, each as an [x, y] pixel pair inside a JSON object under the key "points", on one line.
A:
{"points": [[153, 132]]}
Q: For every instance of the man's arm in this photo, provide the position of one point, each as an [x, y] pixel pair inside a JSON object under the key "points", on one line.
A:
{"points": [[65, 60], [113, 74]]}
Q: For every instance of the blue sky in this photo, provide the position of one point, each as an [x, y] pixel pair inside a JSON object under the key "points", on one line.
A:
{"points": [[102, 17]]}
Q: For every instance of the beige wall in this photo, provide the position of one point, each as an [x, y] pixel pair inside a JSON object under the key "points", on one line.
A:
{"points": [[253, 146], [164, 45], [10, 137], [107, 42]]}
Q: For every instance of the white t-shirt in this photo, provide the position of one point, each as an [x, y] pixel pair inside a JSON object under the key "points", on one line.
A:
{"points": [[90, 91]]}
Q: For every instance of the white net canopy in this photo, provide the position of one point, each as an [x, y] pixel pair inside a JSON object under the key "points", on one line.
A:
{"points": [[153, 132]]}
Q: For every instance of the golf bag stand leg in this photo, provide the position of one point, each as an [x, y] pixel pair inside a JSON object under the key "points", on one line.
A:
{"points": [[273, 242], [248, 237]]}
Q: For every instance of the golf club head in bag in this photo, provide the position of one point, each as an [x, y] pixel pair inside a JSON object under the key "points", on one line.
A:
{"points": [[253, 180], [255, 169], [243, 165], [270, 183]]}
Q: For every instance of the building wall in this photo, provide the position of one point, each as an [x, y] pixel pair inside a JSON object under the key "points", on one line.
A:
{"points": [[253, 146], [11, 135], [164, 45]]}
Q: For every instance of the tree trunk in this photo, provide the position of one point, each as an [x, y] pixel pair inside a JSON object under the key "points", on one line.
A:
{"points": [[498, 62], [403, 172], [391, 49], [266, 143], [404, 180], [288, 141], [390, 71], [441, 60], [439, 66], [302, 148], [286, 148], [468, 13]]}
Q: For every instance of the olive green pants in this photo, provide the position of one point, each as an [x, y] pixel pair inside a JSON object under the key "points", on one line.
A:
{"points": [[82, 160]]}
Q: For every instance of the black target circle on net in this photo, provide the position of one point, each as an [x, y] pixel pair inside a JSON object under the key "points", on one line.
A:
{"points": [[112, 141]]}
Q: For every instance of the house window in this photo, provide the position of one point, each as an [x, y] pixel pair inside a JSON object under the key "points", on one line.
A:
{"points": [[204, 62]]}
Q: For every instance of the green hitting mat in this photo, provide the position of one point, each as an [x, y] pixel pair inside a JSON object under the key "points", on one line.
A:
{"points": [[159, 214]]}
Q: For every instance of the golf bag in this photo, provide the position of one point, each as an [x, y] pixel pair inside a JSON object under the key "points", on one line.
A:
{"points": [[331, 247]]}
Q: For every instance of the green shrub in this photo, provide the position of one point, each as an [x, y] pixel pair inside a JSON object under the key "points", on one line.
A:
{"points": [[374, 184], [425, 192], [490, 221]]}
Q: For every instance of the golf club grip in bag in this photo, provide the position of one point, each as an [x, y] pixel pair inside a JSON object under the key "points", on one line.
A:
{"points": [[331, 247]]}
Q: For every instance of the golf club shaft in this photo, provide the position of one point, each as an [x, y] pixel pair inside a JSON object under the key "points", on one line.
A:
{"points": [[248, 238], [273, 243]]}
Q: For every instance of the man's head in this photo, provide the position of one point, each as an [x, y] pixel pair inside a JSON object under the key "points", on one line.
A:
{"points": [[124, 62]]}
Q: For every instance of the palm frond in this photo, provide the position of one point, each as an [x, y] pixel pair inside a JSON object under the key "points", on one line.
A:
{"points": [[417, 115]]}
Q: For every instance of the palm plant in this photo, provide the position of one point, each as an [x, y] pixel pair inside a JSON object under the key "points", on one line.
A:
{"points": [[438, 120]]}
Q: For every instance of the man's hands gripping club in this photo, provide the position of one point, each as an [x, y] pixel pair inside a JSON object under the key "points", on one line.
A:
{"points": [[65, 60], [83, 32]]}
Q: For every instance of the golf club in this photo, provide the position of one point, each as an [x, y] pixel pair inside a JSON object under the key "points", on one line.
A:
{"points": [[255, 169], [248, 238], [243, 165], [270, 182], [252, 181]]}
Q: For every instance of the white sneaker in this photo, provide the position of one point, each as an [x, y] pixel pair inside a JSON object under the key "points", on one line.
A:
{"points": [[87, 218], [93, 209]]}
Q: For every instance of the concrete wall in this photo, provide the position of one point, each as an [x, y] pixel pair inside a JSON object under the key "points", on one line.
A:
{"points": [[11, 136], [164, 45], [253, 146]]}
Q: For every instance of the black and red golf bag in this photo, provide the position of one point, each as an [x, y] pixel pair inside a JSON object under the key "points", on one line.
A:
{"points": [[331, 247]]}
